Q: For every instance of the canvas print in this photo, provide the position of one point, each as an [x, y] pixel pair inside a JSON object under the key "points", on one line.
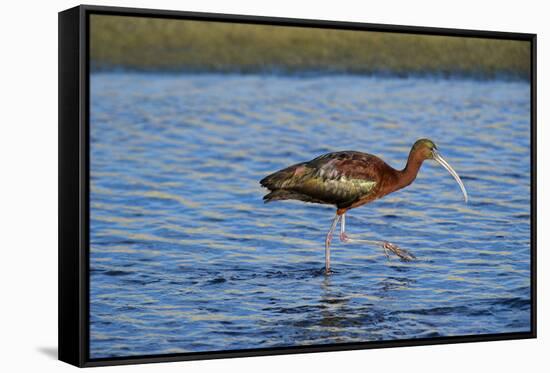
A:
{"points": [[263, 186]]}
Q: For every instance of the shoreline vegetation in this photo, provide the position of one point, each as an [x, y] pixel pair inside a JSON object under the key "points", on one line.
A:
{"points": [[157, 45]]}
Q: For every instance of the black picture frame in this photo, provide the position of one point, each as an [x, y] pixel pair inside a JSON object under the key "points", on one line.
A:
{"points": [[74, 186]]}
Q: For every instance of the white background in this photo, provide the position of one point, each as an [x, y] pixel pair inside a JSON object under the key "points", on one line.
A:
{"points": [[28, 185]]}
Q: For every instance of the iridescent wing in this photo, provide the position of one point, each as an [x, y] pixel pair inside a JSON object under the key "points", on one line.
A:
{"points": [[335, 178]]}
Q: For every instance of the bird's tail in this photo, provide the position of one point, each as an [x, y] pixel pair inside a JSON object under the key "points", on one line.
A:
{"points": [[282, 194], [276, 195], [283, 178], [281, 183]]}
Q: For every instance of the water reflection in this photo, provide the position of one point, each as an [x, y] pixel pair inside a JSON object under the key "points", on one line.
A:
{"points": [[334, 313], [186, 257]]}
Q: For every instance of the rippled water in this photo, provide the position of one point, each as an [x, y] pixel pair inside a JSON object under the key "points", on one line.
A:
{"points": [[186, 257]]}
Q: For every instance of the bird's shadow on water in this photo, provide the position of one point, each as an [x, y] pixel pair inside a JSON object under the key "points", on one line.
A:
{"points": [[49, 351]]}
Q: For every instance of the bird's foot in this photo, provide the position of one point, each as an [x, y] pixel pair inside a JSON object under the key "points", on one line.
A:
{"points": [[344, 237], [328, 271], [403, 254]]}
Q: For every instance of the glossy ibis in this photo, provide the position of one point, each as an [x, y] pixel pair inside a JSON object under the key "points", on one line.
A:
{"points": [[350, 179]]}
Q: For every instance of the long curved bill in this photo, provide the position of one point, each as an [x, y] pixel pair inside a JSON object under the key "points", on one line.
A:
{"points": [[439, 159]]}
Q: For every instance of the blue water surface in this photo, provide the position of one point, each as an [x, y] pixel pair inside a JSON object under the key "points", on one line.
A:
{"points": [[185, 256]]}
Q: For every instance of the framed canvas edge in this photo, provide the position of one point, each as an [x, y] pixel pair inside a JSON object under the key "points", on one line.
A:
{"points": [[73, 270], [70, 249]]}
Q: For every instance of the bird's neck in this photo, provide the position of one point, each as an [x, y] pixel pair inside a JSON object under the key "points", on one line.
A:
{"points": [[407, 175]]}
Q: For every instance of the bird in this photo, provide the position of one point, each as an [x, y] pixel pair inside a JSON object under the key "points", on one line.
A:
{"points": [[350, 179]]}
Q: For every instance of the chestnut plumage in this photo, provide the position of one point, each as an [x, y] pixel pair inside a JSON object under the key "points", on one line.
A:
{"points": [[349, 179]]}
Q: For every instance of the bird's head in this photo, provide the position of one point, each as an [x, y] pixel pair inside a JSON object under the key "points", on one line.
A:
{"points": [[426, 149]]}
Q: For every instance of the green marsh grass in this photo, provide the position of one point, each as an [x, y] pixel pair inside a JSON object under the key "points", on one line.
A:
{"points": [[148, 44]]}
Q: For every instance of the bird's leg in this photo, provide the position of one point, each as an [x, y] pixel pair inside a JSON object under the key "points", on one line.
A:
{"points": [[343, 236], [391, 248], [327, 243], [387, 246]]}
